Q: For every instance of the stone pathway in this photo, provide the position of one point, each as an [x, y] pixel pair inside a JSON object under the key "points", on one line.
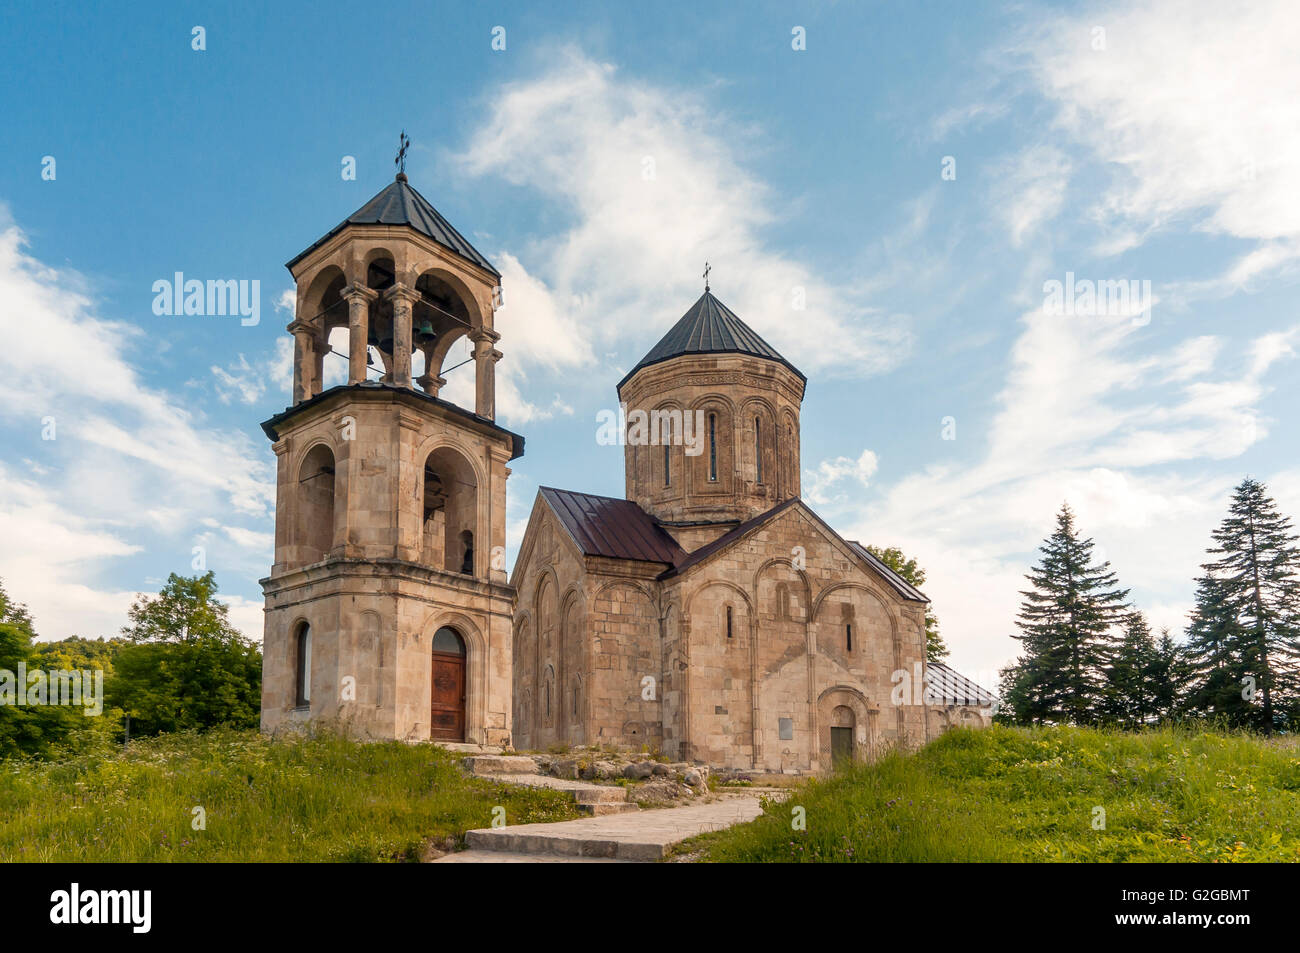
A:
{"points": [[631, 837]]}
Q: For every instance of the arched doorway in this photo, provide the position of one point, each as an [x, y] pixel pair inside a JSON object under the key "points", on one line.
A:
{"points": [[447, 695], [842, 724]]}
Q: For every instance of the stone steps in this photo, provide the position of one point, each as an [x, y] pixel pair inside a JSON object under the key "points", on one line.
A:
{"points": [[642, 836], [492, 765], [595, 800]]}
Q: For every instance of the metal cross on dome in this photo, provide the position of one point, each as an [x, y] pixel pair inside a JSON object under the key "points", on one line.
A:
{"points": [[405, 144], [707, 269]]}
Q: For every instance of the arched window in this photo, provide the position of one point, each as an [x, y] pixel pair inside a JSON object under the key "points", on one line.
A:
{"points": [[448, 640], [728, 621], [713, 447], [467, 562], [758, 450], [302, 667]]}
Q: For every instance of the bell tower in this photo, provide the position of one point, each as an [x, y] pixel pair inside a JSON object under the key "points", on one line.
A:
{"points": [[387, 607]]}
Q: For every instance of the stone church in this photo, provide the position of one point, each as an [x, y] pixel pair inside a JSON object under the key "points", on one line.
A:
{"points": [[710, 615]]}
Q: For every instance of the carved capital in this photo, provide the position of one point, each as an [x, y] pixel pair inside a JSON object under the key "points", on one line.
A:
{"points": [[354, 290], [403, 293]]}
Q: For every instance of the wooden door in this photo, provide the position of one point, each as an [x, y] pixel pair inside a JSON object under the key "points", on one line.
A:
{"points": [[841, 745], [447, 718]]}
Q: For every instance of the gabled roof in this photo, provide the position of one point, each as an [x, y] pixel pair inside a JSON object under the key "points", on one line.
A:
{"points": [[901, 585], [709, 327], [893, 579], [617, 529], [399, 204], [947, 687], [727, 538]]}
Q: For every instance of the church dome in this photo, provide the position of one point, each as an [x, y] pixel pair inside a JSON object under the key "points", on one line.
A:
{"points": [[712, 434]]}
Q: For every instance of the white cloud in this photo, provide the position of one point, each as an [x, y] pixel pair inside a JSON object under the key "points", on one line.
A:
{"points": [[650, 185], [819, 483], [1196, 108], [1030, 190], [1087, 413], [129, 461]]}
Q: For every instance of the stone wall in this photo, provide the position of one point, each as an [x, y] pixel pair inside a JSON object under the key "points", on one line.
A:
{"points": [[743, 396]]}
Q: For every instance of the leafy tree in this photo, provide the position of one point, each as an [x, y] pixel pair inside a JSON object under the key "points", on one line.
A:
{"points": [[198, 684], [935, 648], [187, 667], [1066, 623], [184, 611], [1245, 631], [39, 730]]}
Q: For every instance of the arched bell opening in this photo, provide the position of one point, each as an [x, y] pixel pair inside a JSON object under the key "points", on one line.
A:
{"points": [[320, 309], [450, 512], [442, 314], [381, 274], [315, 523]]}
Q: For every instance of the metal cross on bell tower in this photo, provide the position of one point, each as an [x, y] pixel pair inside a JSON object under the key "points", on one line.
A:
{"points": [[404, 143]]}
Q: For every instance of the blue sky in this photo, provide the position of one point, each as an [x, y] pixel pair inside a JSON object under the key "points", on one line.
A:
{"points": [[1151, 141]]}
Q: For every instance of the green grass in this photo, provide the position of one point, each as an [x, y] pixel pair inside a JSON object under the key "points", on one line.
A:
{"points": [[320, 798], [1007, 794]]}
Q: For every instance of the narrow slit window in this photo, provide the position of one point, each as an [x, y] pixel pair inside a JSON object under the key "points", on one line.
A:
{"points": [[758, 449], [728, 621], [668, 476], [848, 636], [713, 447], [303, 687]]}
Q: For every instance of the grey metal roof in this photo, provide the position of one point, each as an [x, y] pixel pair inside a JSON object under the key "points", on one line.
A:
{"points": [[618, 529], [901, 585], [947, 687], [709, 327], [400, 204]]}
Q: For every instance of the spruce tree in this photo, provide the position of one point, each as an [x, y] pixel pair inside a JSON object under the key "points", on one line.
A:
{"points": [[1245, 627], [1133, 676], [1170, 676], [1067, 622], [1219, 668]]}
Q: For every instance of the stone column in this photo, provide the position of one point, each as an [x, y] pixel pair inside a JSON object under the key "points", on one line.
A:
{"points": [[358, 298], [303, 333], [485, 361], [402, 298]]}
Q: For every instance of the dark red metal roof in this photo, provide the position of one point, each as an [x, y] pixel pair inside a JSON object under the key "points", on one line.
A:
{"points": [[618, 529], [727, 538]]}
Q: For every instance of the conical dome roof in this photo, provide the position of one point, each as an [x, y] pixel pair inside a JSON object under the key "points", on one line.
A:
{"points": [[400, 204], [709, 327]]}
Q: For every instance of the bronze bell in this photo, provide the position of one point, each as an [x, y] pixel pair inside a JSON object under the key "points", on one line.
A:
{"points": [[425, 334]]}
